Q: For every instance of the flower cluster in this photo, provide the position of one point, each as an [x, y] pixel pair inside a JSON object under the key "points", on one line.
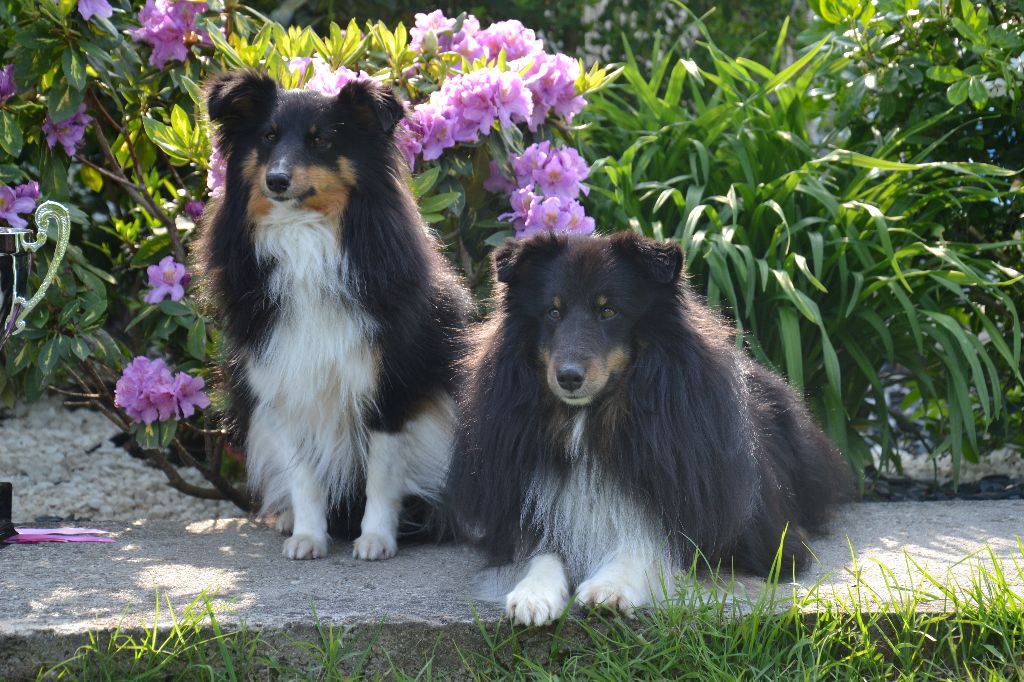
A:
{"points": [[435, 32], [15, 201], [169, 27], [467, 106], [147, 391], [69, 132], [325, 80], [549, 181], [7, 86], [90, 8], [168, 278]]}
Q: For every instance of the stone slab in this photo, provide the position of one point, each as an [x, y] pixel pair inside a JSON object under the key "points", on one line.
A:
{"points": [[52, 595]]}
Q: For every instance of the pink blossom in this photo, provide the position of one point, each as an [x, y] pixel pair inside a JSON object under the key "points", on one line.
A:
{"points": [[330, 82], [546, 215], [188, 390], [168, 278], [556, 171], [551, 80], [194, 209], [90, 8], [216, 172], [431, 130], [30, 189], [443, 31], [146, 391], [497, 182], [511, 36], [69, 132], [12, 204], [7, 85], [168, 26]]}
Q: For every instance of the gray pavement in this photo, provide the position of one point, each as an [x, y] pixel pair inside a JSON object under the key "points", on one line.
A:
{"points": [[423, 600]]}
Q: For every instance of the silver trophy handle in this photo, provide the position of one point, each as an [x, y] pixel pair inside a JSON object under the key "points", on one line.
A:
{"points": [[48, 213]]}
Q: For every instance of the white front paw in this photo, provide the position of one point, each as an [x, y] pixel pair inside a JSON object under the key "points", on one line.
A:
{"points": [[528, 606], [610, 595], [302, 546], [284, 522], [373, 547]]}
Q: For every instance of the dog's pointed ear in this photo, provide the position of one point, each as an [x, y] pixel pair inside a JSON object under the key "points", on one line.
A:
{"points": [[663, 261], [235, 99], [505, 258], [513, 255], [377, 100]]}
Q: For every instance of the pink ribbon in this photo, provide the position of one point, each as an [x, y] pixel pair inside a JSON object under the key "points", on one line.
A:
{"points": [[31, 535]]}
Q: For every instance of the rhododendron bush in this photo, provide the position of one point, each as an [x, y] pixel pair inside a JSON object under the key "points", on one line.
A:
{"points": [[100, 109]]}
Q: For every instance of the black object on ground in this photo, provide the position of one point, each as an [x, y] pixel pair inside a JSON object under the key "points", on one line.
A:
{"points": [[880, 488], [6, 507]]}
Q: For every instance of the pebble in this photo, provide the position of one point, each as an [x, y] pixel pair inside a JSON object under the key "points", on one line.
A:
{"points": [[64, 467]]}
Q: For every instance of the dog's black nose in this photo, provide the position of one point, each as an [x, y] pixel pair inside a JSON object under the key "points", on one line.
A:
{"points": [[570, 377], [278, 182]]}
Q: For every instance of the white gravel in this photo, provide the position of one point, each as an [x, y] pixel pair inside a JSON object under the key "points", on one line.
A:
{"points": [[62, 464]]}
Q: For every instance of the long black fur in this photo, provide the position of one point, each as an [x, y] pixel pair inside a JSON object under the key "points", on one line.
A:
{"points": [[418, 303], [718, 450]]}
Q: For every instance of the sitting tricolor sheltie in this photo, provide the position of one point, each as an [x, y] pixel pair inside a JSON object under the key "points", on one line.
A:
{"points": [[343, 318], [611, 431]]}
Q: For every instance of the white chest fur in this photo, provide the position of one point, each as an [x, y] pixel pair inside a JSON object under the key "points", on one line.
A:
{"points": [[316, 373]]}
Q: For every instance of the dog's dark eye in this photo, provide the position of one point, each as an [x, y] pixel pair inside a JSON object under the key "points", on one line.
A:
{"points": [[317, 140], [554, 313], [608, 313], [270, 137]]}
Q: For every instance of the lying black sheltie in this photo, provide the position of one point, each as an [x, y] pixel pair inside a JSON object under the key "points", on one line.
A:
{"points": [[610, 430], [343, 318]]}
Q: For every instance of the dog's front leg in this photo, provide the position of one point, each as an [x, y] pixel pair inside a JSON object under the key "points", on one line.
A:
{"points": [[385, 487], [309, 538], [542, 594], [622, 583]]}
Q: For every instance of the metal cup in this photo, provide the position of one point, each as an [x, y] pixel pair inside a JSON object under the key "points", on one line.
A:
{"points": [[17, 247]]}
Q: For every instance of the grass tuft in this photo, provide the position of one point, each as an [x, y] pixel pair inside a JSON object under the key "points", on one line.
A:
{"points": [[921, 627]]}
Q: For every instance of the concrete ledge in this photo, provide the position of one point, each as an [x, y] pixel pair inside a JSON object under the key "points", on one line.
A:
{"points": [[423, 599]]}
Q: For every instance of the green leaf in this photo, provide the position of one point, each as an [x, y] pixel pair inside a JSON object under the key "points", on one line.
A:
{"points": [[438, 202], [63, 100], [91, 178], [789, 331], [151, 250], [977, 92], [174, 308], [73, 65], [945, 73], [196, 344], [957, 92], [49, 355], [11, 139]]}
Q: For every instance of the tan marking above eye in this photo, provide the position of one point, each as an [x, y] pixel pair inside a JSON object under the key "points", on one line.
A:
{"points": [[556, 302], [602, 300]]}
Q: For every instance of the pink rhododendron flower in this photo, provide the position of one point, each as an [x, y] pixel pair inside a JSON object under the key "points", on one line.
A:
{"points": [[168, 26], [13, 203], [555, 171], [188, 390], [194, 210], [7, 86], [448, 39], [168, 278], [328, 82], [146, 391], [430, 130], [216, 173], [90, 8], [69, 132], [497, 182], [511, 36], [551, 78], [30, 189]]}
